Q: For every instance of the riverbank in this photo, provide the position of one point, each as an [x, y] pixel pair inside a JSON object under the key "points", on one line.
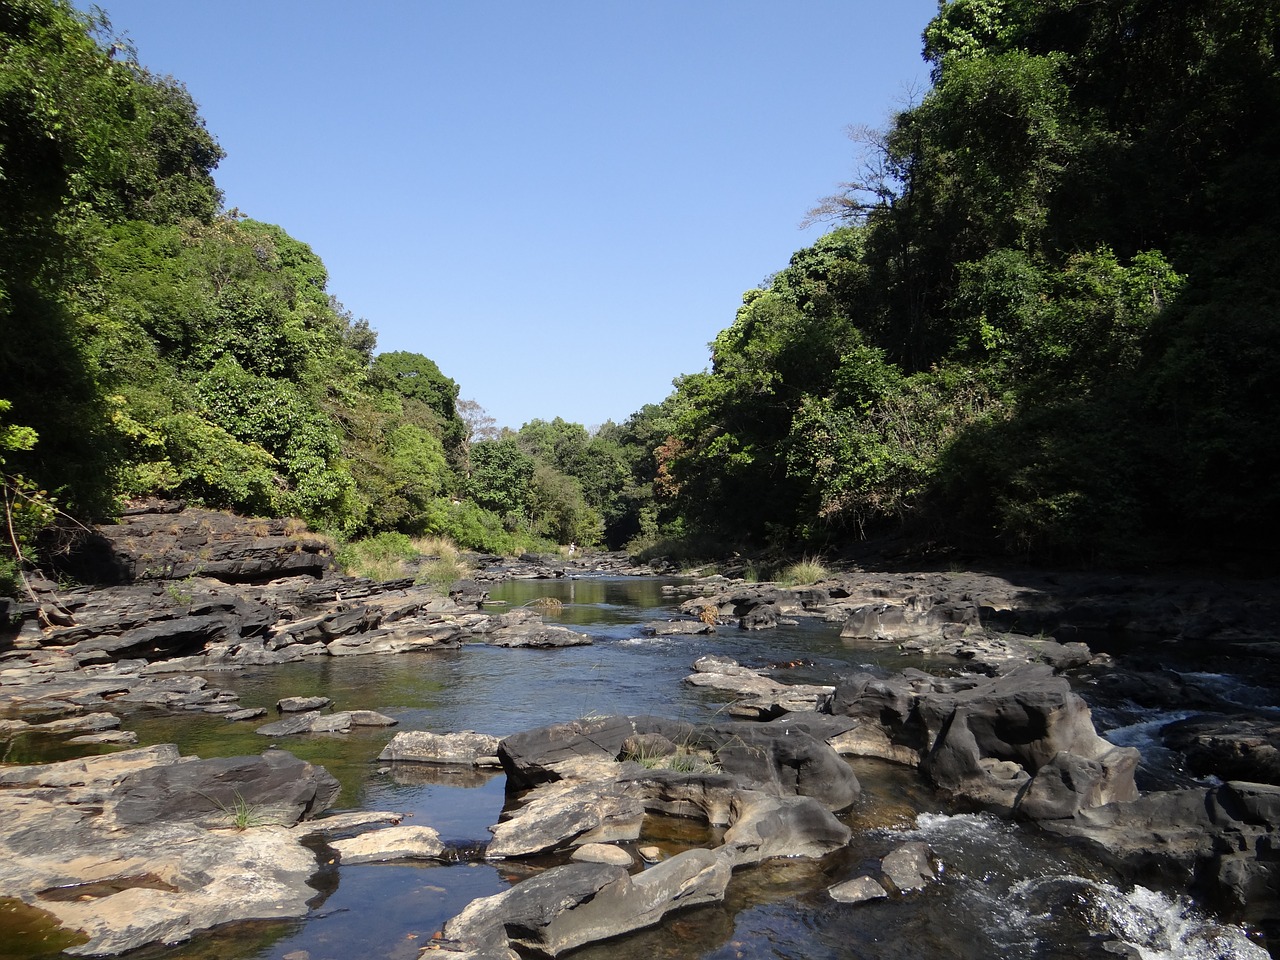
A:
{"points": [[951, 624]]}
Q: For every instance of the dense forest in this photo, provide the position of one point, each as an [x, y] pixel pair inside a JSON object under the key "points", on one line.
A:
{"points": [[1043, 324]]}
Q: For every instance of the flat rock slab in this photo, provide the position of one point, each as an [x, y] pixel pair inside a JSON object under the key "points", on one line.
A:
{"points": [[301, 704], [421, 746], [391, 843], [602, 853], [127, 827], [316, 722], [275, 787], [858, 890], [579, 903]]}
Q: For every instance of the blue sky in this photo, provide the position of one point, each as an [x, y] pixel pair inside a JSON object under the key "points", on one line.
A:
{"points": [[561, 203]]}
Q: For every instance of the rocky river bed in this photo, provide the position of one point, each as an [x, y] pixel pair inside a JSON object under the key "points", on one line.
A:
{"points": [[237, 750]]}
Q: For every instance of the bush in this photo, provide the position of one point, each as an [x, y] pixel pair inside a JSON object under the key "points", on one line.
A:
{"points": [[382, 557]]}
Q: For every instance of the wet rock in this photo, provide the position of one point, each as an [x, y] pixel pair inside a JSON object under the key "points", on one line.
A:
{"points": [[249, 713], [569, 906], [391, 843], [1228, 747], [304, 723], [1223, 838], [371, 718], [985, 740], [1154, 688], [763, 616], [677, 628], [910, 866], [420, 746], [858, 890], [315, 721]]}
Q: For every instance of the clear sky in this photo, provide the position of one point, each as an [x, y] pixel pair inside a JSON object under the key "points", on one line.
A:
{"points": [[561, 203]]}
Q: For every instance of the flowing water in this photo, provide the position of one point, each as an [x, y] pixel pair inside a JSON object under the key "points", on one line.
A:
{"points": [[1006, 890]]}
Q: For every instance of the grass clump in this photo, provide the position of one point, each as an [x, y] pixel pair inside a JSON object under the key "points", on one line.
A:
{"points": [[382, 557], [240, 814], [684, 759], [808, 570], [442, 565]]}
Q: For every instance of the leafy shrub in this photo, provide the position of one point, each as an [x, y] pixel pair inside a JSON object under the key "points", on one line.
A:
{"points": [[381, 557]]}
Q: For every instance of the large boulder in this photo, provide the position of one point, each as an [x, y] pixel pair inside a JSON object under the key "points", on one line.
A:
{"points": [[275, 787], [913, 616], [1228, 747], [579, 903], [767, 826], [1224, 841], [1023, 742], [782, 761]]}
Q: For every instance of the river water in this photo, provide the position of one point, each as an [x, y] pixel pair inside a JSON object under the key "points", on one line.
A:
{"points": [[1006, 890]]}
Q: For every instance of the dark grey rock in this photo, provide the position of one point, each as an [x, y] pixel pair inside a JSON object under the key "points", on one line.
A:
{"points": [[579, 903], [302, 704], [910, 866], [858, 890], [984, 739], [275, 786], [1228, 747]]}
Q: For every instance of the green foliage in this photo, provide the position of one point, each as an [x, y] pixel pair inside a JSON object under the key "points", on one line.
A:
{"points": [[27, 508], [1051, 328], [501, 477], [415, 377], [803, 572], [476, 528], [380, 557]]}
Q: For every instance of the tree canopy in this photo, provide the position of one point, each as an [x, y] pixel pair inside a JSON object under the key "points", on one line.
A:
{"points": [[1047, 321]]}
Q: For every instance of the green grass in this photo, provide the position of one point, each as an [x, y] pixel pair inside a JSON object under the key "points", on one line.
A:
{"points": [[381, 557], [240, 814], [684, 760], [806, 571]]}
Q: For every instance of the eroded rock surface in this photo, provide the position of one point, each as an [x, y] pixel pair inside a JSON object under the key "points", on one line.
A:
{"points": [[162, 846], [579, 903], [1021, 743]]}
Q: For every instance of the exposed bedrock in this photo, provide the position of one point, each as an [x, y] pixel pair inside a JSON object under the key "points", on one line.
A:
{"points": [[145, 846], [1022, 743], [1224, 841]]}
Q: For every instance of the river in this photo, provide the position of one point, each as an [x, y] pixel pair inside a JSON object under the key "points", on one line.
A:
{"points": [[1007, 891]]}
